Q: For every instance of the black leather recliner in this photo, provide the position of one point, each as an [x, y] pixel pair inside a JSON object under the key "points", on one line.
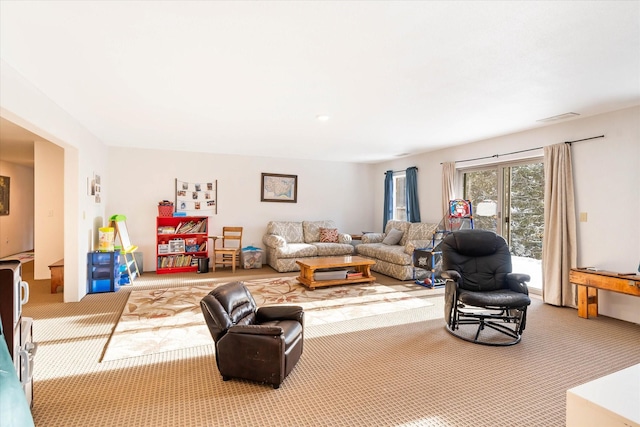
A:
{"points": [[481, 290], [258, 344]]}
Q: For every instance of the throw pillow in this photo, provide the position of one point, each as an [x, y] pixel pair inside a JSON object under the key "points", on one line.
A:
{"points": [[328, 235], [393, 237]]}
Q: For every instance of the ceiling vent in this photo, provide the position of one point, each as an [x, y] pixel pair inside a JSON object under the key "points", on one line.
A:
{"points": [[559, 117]]}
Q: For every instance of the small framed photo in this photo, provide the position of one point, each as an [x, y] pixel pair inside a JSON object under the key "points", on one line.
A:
{"points": [[279, 188]]}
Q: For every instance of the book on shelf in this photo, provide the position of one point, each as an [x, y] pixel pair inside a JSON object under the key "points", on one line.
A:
{"points": [[174, 261], [184, 227], [191, 227], [352, 274]]}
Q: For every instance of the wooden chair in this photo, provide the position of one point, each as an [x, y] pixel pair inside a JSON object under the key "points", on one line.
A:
{"points": [[229, 251]]}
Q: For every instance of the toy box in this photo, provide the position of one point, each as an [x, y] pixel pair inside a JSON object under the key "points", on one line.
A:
{"points": [[251, 257]]}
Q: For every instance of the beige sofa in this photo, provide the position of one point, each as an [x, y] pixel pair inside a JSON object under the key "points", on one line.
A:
{"points": [[286, 241], [396, 259]]}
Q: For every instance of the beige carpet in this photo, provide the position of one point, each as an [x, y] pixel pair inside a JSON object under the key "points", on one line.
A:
{"points": [[159, 320], [397, 369]]}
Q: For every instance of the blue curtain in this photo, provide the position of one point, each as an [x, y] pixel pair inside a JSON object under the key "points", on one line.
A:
{"points": [[388, 198], [413, 207]]}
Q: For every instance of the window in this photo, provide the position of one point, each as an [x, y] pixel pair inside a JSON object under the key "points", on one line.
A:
{"points": [[399, 196]]}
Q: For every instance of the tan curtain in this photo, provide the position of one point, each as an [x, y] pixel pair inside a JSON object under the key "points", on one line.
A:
{"points": [[448, 185], [559, 242]]}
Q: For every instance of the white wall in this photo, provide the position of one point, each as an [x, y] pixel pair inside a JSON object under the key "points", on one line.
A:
{"points": [[49, 210], [138, 179], [84, 155], [606, 180], [16, 229]]}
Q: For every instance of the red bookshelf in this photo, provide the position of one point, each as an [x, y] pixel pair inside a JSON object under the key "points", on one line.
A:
{"points": [[180, 241]]}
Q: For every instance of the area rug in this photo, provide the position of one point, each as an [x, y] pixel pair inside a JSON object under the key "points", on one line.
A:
{"points": [[160, 320]]}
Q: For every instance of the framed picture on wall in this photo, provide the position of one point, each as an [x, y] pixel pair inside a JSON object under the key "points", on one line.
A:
{"points": [[4, 195], [97, 187], [279, 188]]}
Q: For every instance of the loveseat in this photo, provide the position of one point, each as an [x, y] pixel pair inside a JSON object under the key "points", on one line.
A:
{"points": [[393, 250], [286, 241]]}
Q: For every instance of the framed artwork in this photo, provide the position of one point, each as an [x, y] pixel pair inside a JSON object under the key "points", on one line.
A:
{"points": [[4, 195], [279, 188]]}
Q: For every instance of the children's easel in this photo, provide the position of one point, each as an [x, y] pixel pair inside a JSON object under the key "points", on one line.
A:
{"points": [[118, 222]]}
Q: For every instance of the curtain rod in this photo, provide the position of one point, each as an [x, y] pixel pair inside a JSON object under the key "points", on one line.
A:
{"points": [[403, 170], [524, 151]]}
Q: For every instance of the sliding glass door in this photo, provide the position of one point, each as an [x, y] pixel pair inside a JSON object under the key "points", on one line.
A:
{"points": [[509, 199]]}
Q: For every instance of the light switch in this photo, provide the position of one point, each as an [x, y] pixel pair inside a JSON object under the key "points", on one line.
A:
{"points": [[583, 217]]}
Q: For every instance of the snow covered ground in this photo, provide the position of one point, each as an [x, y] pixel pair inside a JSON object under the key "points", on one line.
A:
{"points": [[530, 266]]}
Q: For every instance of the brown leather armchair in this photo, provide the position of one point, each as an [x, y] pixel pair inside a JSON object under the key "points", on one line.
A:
{"points": [[258, 344]]}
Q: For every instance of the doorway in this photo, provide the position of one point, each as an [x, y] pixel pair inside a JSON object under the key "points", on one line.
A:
{"points": [[508, 198]]}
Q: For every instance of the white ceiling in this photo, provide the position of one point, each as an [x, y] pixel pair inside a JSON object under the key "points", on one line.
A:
{"points": [[250, 77]]}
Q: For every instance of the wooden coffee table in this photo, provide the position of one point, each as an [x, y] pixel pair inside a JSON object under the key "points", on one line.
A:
{"points": [[357, 263]]}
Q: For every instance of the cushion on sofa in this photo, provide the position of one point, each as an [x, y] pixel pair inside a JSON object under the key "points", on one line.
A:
{"points": [[398, 225], [391, 253], [393, 237], [296, 250], [421, 231], [328, 235], [290, 230], [333, 249], [311, 229]]}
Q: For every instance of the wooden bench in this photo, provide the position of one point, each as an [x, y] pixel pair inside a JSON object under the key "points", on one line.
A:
{"points": [[589, 281], [57, 275]]}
